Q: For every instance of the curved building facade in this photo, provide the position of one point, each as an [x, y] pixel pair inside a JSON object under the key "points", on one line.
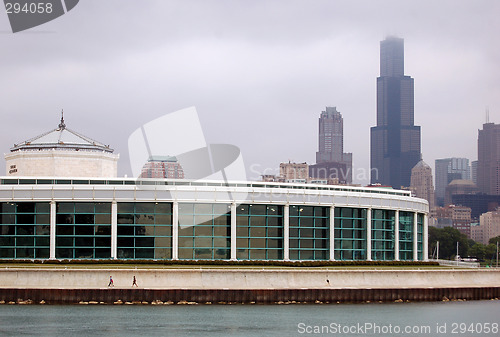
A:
{"points": [[82, 218]]}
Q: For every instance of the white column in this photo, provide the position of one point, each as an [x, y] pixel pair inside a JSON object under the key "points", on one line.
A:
{"points": [[369, 234], [114, 229], [233, 231], [415, 237], [52, 252], [332, 233], [286, 232], [425, 238], [396, 236], [175, 231]]}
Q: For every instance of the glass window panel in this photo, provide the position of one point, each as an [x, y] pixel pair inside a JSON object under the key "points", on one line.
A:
{"points": [[222, 220], [186, 231], [163, 207], [257, 243], [222, 254], [8, 219], [103, 207], [274, 243], [25, 241], [185, 253], [306, 222], [202, 242], [222, 231], [144, 219], [257, 254], [186, 220], [163, 253], [186, 242], [241, 231], [186, 208], [64, 218], [242, 243], [8, 207], [42, 219], [103, 218], [258, 209], [26, 207], [125, 230], [103, 242], [125, 207], [144, 242], [140, 230], [306, 211], [163, 231], [161, 219], [84, 230], [275, 232], [242, 220], [242, 209], [258, 221], [203, 209], [257, 231], [25, 218], [125, 241], [84, 242], [203, 230], [144, 207], [275, 254], [84, 218], [84, 207], [125, 219], [163, 242], [203, 219]]}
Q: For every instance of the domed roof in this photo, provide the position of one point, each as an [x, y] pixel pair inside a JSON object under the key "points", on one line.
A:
{"points": [[62, 138]]}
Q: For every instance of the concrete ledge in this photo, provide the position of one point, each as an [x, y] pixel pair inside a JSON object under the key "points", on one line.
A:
{"points": [[242, 279]]}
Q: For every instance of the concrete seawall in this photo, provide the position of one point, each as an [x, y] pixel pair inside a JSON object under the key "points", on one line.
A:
{"points": [[246, 285], [246, 278]]}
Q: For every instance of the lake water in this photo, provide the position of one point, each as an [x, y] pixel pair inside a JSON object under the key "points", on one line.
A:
{"points": [[474, 318]]}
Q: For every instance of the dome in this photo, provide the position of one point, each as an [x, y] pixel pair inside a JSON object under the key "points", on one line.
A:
{"points": [[61, 138]]}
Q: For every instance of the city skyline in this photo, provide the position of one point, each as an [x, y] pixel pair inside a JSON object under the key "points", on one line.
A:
{"points": [[258, 73]]}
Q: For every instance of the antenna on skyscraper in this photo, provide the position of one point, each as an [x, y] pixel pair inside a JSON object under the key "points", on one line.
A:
{"points": [[487, 115]]}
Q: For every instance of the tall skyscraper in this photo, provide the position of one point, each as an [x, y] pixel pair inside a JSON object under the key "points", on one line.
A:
{"points": [[488, 161], [395, 141], [421, 182], [447, 170], [331, 145]]}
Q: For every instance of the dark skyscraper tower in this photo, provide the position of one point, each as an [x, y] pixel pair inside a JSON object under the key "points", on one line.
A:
{"points": [[395, 141], [488, 164]]}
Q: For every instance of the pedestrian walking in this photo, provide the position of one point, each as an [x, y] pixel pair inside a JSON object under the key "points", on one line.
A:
{"points": [[134, 282], [111, 284]]}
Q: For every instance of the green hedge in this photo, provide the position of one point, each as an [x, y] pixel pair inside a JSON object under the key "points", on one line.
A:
{"points": [[226, 263]]}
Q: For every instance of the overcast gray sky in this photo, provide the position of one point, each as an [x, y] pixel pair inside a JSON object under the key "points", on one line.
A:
{"points": [[259, 72]]}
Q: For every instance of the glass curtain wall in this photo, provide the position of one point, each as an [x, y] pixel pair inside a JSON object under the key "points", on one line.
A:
{"points": [[309, 234], [144, 230], [420, 237], [83, 230], [383, 222], [204, 231], [350, 233], [259, 232], [24, 230], [405, 236]]}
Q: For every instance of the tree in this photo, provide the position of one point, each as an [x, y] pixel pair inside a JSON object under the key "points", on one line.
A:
{"points": [[448, 238], [494, 240]]}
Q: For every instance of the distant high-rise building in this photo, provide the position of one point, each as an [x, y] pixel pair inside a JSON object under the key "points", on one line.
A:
{"points": [[488, 164], [162, 167], [473, 171], [395, 141], [447, 170], [294, 172], [331, 143], [421, 182]]}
